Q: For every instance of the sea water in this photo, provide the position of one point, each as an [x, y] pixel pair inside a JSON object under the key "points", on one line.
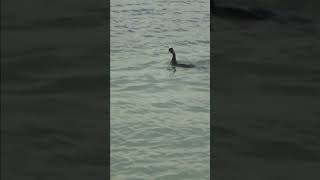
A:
{"points": [[160, 119]]}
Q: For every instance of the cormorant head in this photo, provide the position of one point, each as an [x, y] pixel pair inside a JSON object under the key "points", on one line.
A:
{"points": [[171, 50]]}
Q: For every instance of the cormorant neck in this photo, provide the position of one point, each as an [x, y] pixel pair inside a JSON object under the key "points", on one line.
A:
{"points": [[174, 61]]}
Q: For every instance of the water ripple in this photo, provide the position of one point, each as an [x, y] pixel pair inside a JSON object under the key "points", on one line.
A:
{"points": [[159, 119]]}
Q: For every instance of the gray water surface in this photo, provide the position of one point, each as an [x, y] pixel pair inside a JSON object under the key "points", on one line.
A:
{"points": [[160, 119]]}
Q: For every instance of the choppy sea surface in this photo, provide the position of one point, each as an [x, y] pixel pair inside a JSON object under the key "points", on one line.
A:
{"points": [[160, 120], [53, 92]]}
